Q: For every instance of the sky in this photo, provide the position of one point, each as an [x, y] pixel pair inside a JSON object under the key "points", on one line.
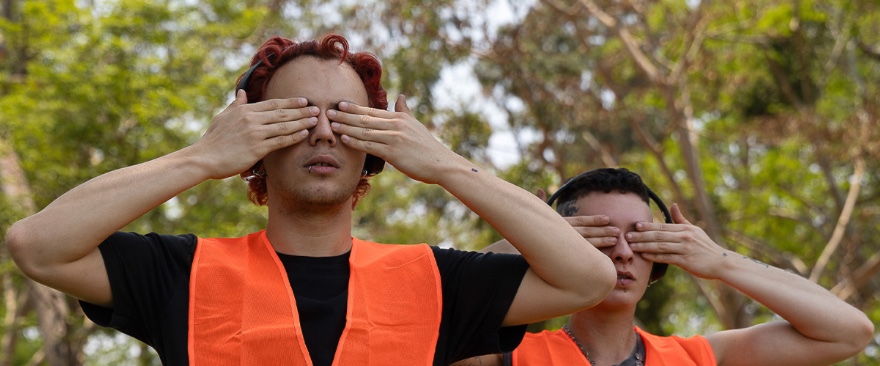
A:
{"points": [[458, 86]]}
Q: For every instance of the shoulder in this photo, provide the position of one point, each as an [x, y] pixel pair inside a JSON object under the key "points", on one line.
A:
{"points": [[453, 257], [544, 339], [152, 245], [695, 348]]}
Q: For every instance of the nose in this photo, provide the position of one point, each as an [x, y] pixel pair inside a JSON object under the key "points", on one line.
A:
{"points": [[621, 252], [322, 132]]}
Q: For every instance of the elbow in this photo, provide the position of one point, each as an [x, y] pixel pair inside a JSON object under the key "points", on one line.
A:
{"points": [[22, 250], [862, 334], [604, 278], [854, 337]]}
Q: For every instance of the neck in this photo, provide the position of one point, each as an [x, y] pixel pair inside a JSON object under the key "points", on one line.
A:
{"points": [[607, 338], [311, 232]]}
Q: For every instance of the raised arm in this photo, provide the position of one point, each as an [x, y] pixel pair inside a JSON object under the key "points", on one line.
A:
{"points": [[566, 273], [58, 245], [818, 328]]}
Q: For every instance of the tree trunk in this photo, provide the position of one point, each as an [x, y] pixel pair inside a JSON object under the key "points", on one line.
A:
{"points": [[50, 305]]}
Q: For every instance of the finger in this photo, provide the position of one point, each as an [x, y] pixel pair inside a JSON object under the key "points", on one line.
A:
{"points": [[604, 242], [597, 220], [361, 120], [369, 147], [541, 194], [274, 104], [651, 237], [282, 141], [659, 226], [598, 231], [655, 247], [361, 112], [677, 216], [400, 105], [289, 127], [599, 241], [240, 99], [361, 133]]}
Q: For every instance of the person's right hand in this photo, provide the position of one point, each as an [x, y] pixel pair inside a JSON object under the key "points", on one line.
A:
{"points": [[243, 133], [595, 229]]}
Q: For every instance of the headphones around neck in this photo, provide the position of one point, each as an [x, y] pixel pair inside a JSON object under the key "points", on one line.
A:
{"points": [[659, 269], [372, 165]]}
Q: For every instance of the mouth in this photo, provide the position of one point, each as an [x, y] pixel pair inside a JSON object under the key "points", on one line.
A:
{"points": [[625, 278], [321, 164]]}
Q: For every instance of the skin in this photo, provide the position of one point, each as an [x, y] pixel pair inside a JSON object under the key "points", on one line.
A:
{"points": [[315, 116], [818, 328]]}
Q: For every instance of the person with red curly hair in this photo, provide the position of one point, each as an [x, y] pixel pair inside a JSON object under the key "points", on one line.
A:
{"points": [[308, 128]]}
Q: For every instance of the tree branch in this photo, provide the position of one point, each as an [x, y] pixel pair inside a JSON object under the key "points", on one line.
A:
{"points": [[842, 221], [628, 40]]}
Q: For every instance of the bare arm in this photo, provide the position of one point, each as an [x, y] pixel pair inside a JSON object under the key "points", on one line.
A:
{"points": [[58, 245], [818, 328], [566, 273]]}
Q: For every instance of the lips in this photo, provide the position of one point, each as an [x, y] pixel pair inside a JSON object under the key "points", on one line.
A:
{"points": [[322, 161], [625, 279]]}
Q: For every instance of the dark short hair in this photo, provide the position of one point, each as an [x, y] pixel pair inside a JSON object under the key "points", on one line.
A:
{"points": [[604, 180]]}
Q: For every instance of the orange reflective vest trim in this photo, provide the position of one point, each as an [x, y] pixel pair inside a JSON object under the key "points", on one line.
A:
{"points": [[555, 348], [242, 310]]}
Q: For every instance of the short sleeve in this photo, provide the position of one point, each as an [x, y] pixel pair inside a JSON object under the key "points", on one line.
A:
{"points": [[147, 273], [478, 289]]}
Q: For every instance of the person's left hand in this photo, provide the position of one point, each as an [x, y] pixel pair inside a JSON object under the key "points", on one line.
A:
{"points": [[682, 244], [397, 137]]}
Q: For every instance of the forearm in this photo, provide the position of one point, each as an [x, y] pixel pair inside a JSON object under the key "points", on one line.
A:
{"points": [[74, 224], [812, 310], [555, 251]]}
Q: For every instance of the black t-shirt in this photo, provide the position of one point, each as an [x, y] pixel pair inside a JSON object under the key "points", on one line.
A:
{"points": [[149, 278]]}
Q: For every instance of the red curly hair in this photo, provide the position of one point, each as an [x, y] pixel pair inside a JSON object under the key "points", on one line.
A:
{"points": [[276, 52]]}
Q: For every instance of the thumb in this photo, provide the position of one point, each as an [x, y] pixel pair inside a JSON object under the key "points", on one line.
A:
{"points": [[677, 216], [240, 99], [400, 105], [541, 194]]}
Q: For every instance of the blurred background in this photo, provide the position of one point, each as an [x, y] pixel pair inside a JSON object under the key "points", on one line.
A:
{"points": [[761, 118]]}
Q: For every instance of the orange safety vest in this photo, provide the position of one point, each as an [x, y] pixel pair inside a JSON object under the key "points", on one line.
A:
{"points": [[555, 348], [242, 310]]}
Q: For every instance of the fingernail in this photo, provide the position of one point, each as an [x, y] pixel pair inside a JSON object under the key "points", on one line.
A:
{"points": [[332, 113], [313, 120], [334, 125], [629, 236], [345, 138], [343, 104], [314, 110]]}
